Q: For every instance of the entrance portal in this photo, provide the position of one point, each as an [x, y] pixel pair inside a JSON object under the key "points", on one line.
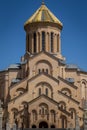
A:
{"points": [[43, 124]]}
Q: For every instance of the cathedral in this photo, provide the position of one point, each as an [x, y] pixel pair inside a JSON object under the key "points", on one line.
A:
{"points": [[43, 91]]}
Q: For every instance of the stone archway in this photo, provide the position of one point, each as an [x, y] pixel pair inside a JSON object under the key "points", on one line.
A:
{"points": [[52, 126], [43, 124], [33, 126]]}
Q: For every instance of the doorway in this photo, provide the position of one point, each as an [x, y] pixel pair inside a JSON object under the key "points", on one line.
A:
{"points": [[43, 124]]}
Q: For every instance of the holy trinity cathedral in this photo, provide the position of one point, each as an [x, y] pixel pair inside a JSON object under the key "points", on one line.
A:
{"points": [[42, 90]]}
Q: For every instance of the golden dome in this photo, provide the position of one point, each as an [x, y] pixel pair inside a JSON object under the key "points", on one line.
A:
{"points": [[43, 14]]}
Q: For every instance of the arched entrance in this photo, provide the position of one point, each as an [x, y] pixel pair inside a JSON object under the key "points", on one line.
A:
{"points": [[52, 126], [43, 124], [33, 126]]}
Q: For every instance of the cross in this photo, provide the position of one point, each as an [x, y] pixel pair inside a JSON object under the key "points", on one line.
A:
{"points": [[42, 1], [0, 103]]}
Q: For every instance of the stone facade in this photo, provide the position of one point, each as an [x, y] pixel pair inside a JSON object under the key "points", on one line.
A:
{"points": [[42, 90]]}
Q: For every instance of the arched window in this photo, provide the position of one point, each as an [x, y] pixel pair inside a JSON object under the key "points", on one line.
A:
{"points": [[46, 91], [39, 91], [62, 105], [34, 114], [64, 121], [43, 70], [46, 71], [43, 41], [51, 40], [66, 91], [83, 90], [15, 112], [53, 116], [34, 36], [43, 109], [39, 71], [73, 113]]}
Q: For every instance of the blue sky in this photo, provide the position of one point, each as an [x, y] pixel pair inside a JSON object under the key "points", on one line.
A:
{"points": [[72, 13]]}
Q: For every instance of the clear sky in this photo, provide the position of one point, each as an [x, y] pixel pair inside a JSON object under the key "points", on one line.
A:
{"points": [[73, 15]]}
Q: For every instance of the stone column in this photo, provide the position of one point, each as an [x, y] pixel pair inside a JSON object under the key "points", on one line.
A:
{"points": [[77, 123], [0, 115]]}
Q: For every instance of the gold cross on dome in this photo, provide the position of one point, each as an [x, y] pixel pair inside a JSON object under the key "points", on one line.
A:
{"points": [[42, 1]]}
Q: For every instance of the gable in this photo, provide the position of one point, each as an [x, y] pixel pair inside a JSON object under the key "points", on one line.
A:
{"points": [[49, 102]]}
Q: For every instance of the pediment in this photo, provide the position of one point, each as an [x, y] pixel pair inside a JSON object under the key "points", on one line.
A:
{"points": [[43, 99], [43, 77]]}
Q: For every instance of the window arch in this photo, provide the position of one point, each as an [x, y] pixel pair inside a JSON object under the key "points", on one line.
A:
{"points": [[73, 113], [62, 105], [34, 114], [47, 66], [83, 84], [43, 109], [53, 115], [43, 41], [63, 121], [15, 112], [66, 91]]}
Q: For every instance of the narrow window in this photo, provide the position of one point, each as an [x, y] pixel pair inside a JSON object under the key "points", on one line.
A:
{"points": [[58, 47], [42, 111], [34, 42], [51, 42], [72, 114], [46, 92], [39, 71], [46, 71], [43, 41], [39, 91], [42, 70]]}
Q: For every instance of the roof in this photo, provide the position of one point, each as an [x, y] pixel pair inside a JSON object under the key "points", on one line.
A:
{"points": [[43, 14], [73, 66], [14, 66]]}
